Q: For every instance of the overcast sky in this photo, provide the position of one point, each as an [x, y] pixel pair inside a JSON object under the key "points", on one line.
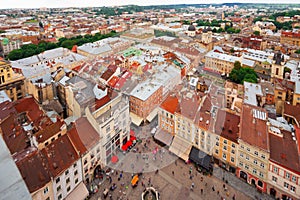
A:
{"points": [[96, 3]]}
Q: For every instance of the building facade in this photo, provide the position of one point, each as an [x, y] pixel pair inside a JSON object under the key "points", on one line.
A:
{"points": [[12, 83]]}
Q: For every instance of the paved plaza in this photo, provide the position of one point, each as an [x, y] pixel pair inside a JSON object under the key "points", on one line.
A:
{"points": [[172, 177]]}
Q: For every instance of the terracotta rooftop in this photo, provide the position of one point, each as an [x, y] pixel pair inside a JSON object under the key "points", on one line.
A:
{"points": [[204, 117], [76, 141], [107, 74], [283, 151], [189, 105], [60, 154], [253, 128], [6, 109], [86, 132], [170, 104], [34, 171], [227, 125], [14, 135], [33, 112], [49, 131], [293, 111]]}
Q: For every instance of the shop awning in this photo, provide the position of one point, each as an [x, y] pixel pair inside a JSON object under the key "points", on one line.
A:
{"points": [[80, 192], [200, 158], [181, 148], [136, 119], [151, 116], [164, 137]]}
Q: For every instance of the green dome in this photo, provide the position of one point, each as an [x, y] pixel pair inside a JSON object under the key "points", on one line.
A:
{"points": [[5, 41]]}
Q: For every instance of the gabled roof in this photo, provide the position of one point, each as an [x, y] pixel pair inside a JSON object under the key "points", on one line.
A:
{"points": [[83, 135], [170, 104], [227, 125], [60, 155], [292, 111], [283, 151], [49, 131], [253, 129], [34, 170]]}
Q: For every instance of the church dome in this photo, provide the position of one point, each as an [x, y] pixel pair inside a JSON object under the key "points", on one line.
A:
{"points": [[191, 28]]}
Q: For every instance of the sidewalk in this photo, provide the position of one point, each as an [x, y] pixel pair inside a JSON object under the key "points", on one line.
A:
{"points": [[239, 185]]}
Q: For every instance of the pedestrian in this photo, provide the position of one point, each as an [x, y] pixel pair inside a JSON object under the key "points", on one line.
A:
{"points": [[191, 188], [218, 192], [173, 173], [224, 186], [201, 191], [142, 183], [233, 197], [213, 188], [191, 177], [193, 185]]}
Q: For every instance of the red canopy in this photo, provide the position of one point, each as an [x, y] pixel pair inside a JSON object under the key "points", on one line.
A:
{"points": [[132, 133], [125, 147], [132, 138], [114, 159]]}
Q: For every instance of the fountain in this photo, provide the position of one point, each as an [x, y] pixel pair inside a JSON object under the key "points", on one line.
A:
{"points": [[150, 193]]}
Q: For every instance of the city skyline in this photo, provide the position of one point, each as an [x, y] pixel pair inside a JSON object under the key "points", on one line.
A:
{"points": [[91, 3]]}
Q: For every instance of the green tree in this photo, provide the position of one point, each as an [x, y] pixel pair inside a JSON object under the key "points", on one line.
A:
{"points": [[240, 74], [237, 64], [15, 54], [256, 33]]}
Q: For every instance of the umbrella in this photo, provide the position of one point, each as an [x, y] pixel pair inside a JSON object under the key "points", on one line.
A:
{"points": [[114, 159], [124, 147]]}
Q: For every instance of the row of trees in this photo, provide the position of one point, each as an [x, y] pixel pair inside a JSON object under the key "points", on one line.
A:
{"points": [[32, 49]]}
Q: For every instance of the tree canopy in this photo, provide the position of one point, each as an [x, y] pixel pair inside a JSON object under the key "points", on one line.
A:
{"points": [[240, 74], [32, 49]]}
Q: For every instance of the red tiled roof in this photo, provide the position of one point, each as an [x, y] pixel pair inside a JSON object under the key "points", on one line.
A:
{"points": [[51, 130], [29, 105], [34, 171], [76, 141], [6, 109], [290, 34], [13, 134], [204, 116], [283, 151], [60, 154], [120, 83], [227, 125], [86, 132], [253, 130], [170, 104], [107, 74], [293, 111], [101, 102], [113, 81]]}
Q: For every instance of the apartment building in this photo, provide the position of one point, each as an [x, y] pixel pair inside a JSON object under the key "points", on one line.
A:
{"points": [[253, 150], [35, 171], [11, 82], [65, 167], [109, 116], [283, 171], [86, 141], [144, 98], [227, 129], [292, 38]]}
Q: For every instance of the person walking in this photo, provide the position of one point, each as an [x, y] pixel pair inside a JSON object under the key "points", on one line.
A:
{"points": [[173, 173]]}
